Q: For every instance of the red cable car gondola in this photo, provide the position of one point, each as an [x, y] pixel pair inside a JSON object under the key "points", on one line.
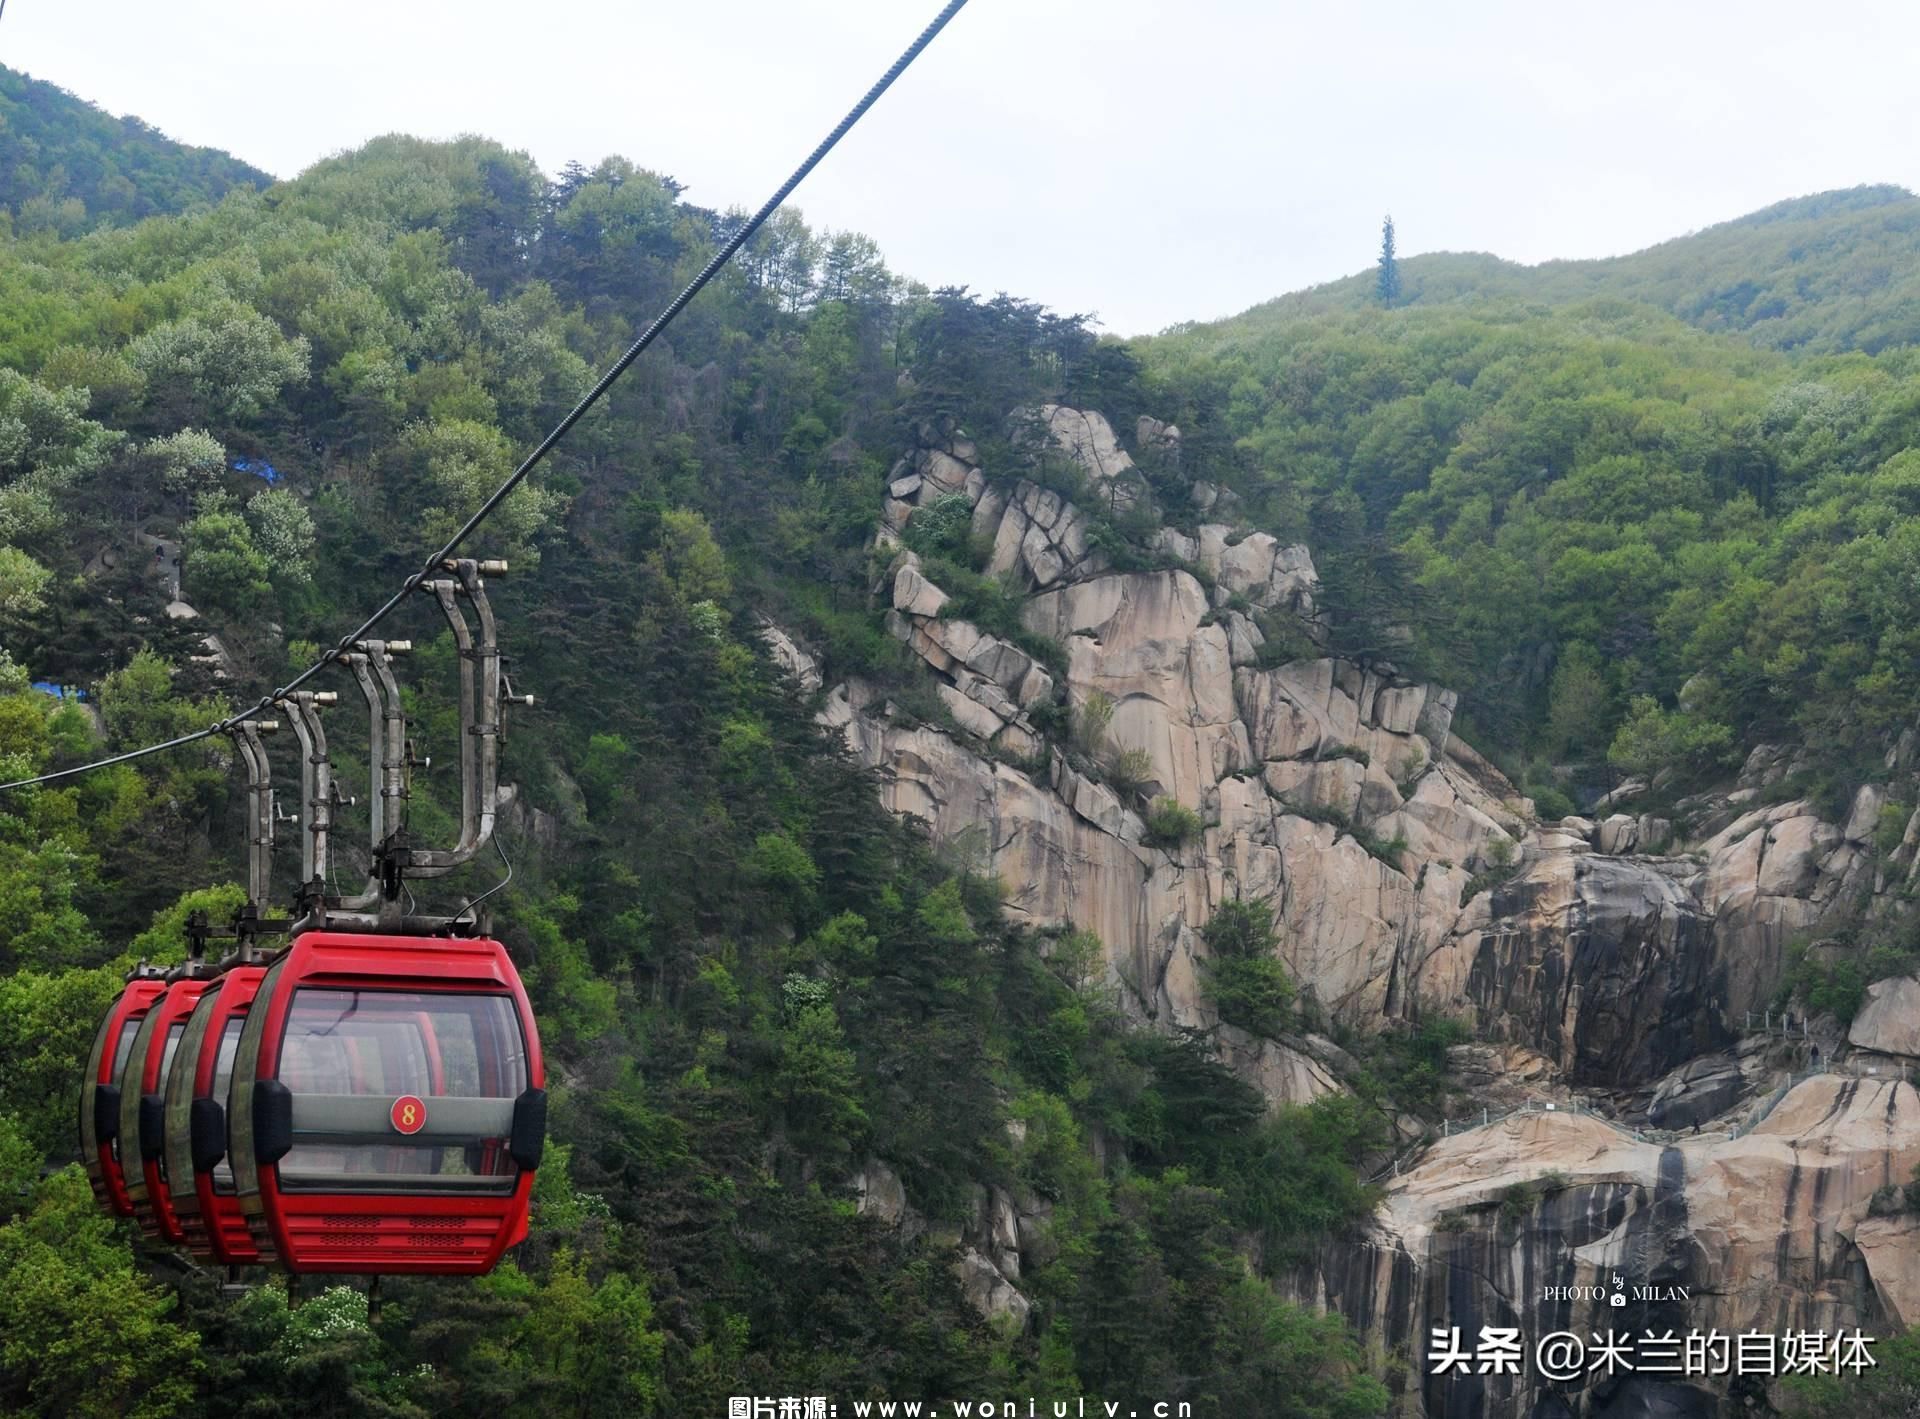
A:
{"points": [[388, 1106], [143, 1082], [199, 1173], [100, 1098]]}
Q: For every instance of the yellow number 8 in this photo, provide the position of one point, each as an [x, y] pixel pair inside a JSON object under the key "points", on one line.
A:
{"points": [[406, 1115]]}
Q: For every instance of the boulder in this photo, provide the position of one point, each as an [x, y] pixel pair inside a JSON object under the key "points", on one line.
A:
{"points": [[1397, 708], [991, 1294], [1863, 820], [1889, 1022], [1790, 862], [1697, 1091], [1085, 436], [1244, 639], [1006, 665], [1325, 783], [913, 594], [1619, 834], [1631, 788], [1150, 433], [1036, 688], [969, 713], [1020, 741], [879, 1193], [941, 474]]}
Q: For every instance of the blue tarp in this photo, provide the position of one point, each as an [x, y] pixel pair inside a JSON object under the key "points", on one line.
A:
{"points": [[259, 467], [59, 692]]}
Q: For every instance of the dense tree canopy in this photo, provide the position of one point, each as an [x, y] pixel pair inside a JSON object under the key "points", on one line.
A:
{"points": [[1586, 512], [752, 983], [71, 167]]}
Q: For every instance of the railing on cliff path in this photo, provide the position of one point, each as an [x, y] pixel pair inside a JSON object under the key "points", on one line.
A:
{"points": [[1852, 1069], [1778, 1022], [1487, 1117]]}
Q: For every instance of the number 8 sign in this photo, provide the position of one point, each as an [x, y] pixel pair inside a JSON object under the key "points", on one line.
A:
{"points": [[409, 1115]]}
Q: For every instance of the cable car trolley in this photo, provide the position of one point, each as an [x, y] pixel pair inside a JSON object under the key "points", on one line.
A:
{"points": [[142, 1101], [370, 1098]]}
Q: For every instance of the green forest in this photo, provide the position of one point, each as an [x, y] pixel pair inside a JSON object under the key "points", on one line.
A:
{"points": [[71, 167], [750, 980], [1644, 515], [1640, 517]]}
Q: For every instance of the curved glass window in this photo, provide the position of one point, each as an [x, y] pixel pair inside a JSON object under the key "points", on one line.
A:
{"points": [[129, 1027], [177, 1088], [222, 1083], [349, 1057], [126, 1140], [167, 1051]]}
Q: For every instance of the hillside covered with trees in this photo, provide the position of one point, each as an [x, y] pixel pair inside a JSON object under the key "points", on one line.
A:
{"points": [[1826, 273], [1627, 541], [751, 982], [71, 167]]}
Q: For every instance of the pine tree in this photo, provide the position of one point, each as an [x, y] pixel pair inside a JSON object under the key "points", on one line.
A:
{"points": [[1389, 288]]}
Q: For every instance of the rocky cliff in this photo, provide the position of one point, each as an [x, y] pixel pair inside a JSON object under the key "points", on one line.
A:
{"points": [[1613, 958], [1538, 1221]]}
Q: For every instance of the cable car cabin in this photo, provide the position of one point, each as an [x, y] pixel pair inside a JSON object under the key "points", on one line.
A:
{"points": [[199, 1174], [100, 1096], [388, 1106], [142, 1107]]}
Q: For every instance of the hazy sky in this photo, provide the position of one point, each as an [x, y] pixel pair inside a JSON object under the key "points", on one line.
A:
{"points": [[1150, 162]]}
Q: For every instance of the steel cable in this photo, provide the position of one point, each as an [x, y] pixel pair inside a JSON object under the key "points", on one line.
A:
{"points": [[559, 431]]}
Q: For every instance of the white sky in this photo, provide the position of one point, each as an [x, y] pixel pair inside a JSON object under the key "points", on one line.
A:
{"points": [[1150, 162]]}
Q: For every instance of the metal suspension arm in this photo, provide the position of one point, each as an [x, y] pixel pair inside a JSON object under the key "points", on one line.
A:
{"points": [[393, 760], [259, 809], [370, 663], [480, 716], [316, 785]]}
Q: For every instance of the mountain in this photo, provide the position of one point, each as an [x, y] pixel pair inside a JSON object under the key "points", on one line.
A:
{"points": [[814, 1094], [1044, 867], [1832, 272], [1634, 1108], [71, 166]]}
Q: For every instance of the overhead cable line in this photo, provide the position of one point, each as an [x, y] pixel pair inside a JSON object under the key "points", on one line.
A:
{"points": [[559, 431]]}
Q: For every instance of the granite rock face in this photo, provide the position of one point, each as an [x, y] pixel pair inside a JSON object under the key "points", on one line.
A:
{"points": [[795, 662], [1407, 876], [1527, 1222], [1607, 956], [1605, 965]]}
